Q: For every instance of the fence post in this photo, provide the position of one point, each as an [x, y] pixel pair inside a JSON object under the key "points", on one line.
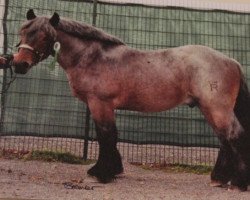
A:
{"points": [[94, 12], [86, 136], [87, 120], [5, 49]]}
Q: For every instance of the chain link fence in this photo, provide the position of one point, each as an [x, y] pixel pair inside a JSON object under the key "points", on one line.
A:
{"points": [[39, 113]]}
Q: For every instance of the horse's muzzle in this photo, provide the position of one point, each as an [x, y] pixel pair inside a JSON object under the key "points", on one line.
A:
{"points": [[21, 68]]}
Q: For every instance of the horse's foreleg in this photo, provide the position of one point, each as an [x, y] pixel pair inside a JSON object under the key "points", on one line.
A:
{"points": [[109, 161]]}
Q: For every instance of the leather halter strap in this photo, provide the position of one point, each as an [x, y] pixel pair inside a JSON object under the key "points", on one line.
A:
{"points": [[26, 46], [37, 53]]}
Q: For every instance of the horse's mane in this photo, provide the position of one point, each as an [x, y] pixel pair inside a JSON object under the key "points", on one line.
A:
{"points": [[74, 28], [86, 31]]}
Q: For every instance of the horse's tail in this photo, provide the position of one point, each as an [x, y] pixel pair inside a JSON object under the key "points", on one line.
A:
{"points": [[242, 112], [242, 106]]}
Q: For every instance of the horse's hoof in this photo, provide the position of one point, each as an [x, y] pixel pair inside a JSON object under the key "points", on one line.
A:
{"points": [[103, 178], [237, 188], [92, 171], [101, 175], [217, 183], [106, 179], [118, 170], [107, 167]]}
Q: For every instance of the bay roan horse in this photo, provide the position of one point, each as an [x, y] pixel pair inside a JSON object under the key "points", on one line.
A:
{"points": [[107, 74]]}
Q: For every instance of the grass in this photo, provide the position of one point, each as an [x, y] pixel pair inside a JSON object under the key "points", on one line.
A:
{"points": [[65, 157], [50, 156], [45, 155], [178, 168], [196, 169]]}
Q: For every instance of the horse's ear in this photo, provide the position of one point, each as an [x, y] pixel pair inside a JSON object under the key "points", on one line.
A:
{"points": [[54, 20], [30, 14]]}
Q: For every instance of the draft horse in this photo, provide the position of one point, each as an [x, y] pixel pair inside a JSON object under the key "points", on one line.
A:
{"points": [[106, 74]]}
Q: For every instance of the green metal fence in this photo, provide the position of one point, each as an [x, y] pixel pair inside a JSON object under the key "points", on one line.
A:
{"points": [[39, 112]]}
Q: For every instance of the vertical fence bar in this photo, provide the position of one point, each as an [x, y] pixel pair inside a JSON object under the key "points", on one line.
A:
{"points": [[94, 12], [87, 120], [5, 48], [86, 136]]}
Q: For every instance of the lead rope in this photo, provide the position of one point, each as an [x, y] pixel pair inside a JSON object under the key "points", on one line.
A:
{"points": [[57, 47], [7, 85], [13, 77]]}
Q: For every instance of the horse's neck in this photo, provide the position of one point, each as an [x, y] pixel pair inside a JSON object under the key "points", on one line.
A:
{"points": [[75, 51]]}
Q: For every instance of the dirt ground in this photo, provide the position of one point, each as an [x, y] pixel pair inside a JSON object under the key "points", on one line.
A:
{"points": [[53, 181]]}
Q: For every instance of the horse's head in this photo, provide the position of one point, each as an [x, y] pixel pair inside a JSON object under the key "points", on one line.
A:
{"points": [[37, 37]]}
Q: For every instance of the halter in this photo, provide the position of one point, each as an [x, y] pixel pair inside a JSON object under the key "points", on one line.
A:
{"points": [[38, 54]]}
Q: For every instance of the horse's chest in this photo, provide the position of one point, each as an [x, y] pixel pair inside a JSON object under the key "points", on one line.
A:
{"points": [[77, 88]]}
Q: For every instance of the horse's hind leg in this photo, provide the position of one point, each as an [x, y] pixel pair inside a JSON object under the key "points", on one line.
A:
{"points": [[223, 169], [241, 148], [231, 163], [109, 161]]}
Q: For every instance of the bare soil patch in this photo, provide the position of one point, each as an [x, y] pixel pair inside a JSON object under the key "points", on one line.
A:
{"points": [[53, 181]]}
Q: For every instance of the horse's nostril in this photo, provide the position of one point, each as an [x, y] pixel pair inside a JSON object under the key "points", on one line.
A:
{"points": [[21, 68]]}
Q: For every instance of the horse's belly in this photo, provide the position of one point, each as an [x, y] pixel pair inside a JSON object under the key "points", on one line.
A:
{"points": [[154, 102]]}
